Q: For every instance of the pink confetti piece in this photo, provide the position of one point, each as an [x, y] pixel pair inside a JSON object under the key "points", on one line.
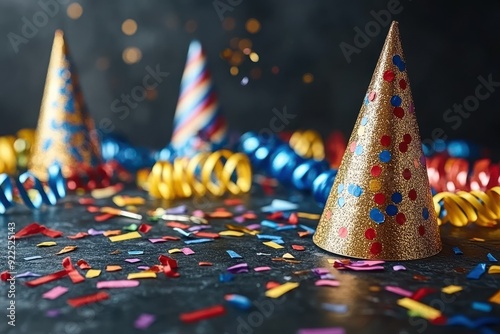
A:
{"points": [[258, 269], [326, 282], [253, 227], [398, 267], [363, 268], [143, 267], [367, 263], [239, 219], [320, 271], [144, 321], [198, 213], [157, 240], [53, 313], [135, 260], [399, 291], [187, 251], [199, 227], [238, 268], [329, 330], [177, 210], [55, 292], [327, 276], [95, 232], [117, 284]]}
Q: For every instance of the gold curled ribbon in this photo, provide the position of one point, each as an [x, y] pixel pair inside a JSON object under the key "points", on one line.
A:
{"points": [[14, 151], [462, 208], [308, 144], [214, 173]]}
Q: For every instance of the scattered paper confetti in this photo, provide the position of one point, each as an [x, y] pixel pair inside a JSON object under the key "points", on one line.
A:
{"points": [[280, 205], [425, 311], [27, 274], [272, 244], [480, 306], [495, 298], [202, 314], [88, 299], [288, 256], [144, 321], [47, 278], [82, 264], [231, 233], [326, 282], [55, 292], [126, 236], [298, 247], [92, 273], [226, 277], [450, 289], [238, 301], [135, 252], [157, 240], [233, 254], [494, 270], [399, 291], [398, 267], [205, 264], [259, 269], [143, 274], [337, 308], [111, 268], [174, 250], [118, 284], [477, 272], [491, 258], [30, 258], [134, 260], [187, 251], [67, 249], [46, 244], [278, 291], [79, 235], [457, 251], [197, 241], [238, 268]]}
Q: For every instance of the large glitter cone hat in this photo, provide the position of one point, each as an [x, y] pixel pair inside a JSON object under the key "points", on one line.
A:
{"points": [[198, 121], [65, 134], [380, 206]]}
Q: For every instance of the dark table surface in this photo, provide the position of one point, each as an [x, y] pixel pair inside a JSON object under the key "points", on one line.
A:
{"points": [[368, 310]]}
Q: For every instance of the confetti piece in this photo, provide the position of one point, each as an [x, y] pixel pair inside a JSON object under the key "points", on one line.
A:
{"points": [[131, 227], [169, 266], [144, 321], [477, 239], [107, 191], [135, 260], [27, 274], [286, 227], [226, 277], [473, 324], [253, 227], [363, 268], [278, 291], [326, 282], [197, 241], [88, 299], [126, 236], [118, 284], [182, 232], [259, 269], [307, 228], [177, 225], [495, 298], [303, 234], [298, 247], [238, 301], [477, 272], [34, 228], [143, 274], [398, 267], [494, 270], [48, 278], [92, 273], [268, 223], [399, 291], [157, 240], [30, 258], [337, 308], [112, 268], [104, 217], [110, 233], [178, 210], [232, 201], [202, 314], [425, 311], [231, 233], [220, 214], [491, 258], [238, 268], [269, 237], [233, 254], [457, 251], [82, 264], [145, 228], [280, 205], [450, 289], [288, 256], [187, 251], [115, 252], [205, 264], [52, 313], [422, 292], [46, 244], [128, 200], [480, 306], [208, 235], [67, 249], [272, 244], [95, 232], [55, 292], [174, 250], [135, 252], [326, 330], [264, 254], [86, 201], [79, 235], [310, 216], [170, 238]]}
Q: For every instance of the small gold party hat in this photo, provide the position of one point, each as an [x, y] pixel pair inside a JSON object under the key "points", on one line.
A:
{"points": [[380, 206], [65, 134]]}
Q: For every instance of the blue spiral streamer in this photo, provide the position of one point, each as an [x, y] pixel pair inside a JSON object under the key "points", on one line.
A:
{"points": [[130, 157]]}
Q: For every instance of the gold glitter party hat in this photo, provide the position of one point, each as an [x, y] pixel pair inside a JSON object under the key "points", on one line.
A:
{"points": [[65, 134], [380, 206]]}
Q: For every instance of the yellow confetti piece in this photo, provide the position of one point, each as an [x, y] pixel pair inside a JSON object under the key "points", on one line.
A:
{"points": [[112, 268], [46, 244], [477, 239], [307, 215], [126, 236], [425, 311], [494, 270], [288, 256], [142, 274], [281, 290], [127, 200], [174, 250], [495, 298], [272, 244], [92, 273], [105, 192], [331, 261], [66, 249], [451, 289], [232, 233]]}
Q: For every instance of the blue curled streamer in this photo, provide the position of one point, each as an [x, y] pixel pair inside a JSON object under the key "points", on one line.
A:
{"points": [[455, 149], [55, 190], [130, 157]]}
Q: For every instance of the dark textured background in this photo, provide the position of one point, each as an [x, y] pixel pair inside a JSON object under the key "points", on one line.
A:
{"points": [[447, 47]]}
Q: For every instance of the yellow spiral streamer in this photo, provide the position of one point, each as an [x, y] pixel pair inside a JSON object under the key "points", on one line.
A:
{"points": [[462, 208], [14, 151], [308, 144], [214, 173]]}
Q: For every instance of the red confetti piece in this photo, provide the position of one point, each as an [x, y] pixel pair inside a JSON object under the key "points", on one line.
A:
{"points": [[249, 215], [202, 314], [35, 228], [385, 140], [419, 277], [145, 228], [233, 201], [5, 275], [205, 264], [169, 266], [441, 320], [220, 213], [389, 75], [79, 235], [93, 209], [74, 275], [272, 284], [422, 292], [275, 215], [293, 219], [86, 201], [83, 264], [303, 233], [88, 299], [48, 278], [298, 247], [210, 235], [171, 238], [104, 217], [177, 224]]}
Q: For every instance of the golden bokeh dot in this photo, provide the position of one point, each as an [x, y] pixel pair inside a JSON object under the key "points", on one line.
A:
{"points": [[131, 55], [236, 58], [226, 54], [129, 27], [102, 63], [74, 11], [308, 78], [191, 26], [234, 70], [245, 43], [254, 57], [255, 73], [252, 26], [229, 23]]}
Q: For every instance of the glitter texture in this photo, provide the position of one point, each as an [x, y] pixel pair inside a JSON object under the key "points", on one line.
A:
{"points": [[372, 229]]}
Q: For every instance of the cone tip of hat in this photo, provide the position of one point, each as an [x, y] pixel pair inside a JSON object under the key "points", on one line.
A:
{"points": [[59, 33]]}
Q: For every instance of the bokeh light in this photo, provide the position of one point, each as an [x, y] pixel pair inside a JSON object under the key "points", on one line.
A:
{"points": [[131, 55], [74, 11], [252, 26], [229, 24], [307, 78], [254, 57], [234, 70], [129, 27]]}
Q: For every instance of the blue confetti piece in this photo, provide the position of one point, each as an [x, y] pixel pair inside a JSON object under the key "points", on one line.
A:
{"points": [[377, 216], [198, 241], [491, 258], [268, 237], [337, 308], [29, 258], [268, 223], [279, 241], [238, 301], [480, 306], [307, 228], [457, 251], [233, 254], [477, 272], [286, 227], [182, 232], [135, 252], [280, 205], [226, 277], [479, 322]]}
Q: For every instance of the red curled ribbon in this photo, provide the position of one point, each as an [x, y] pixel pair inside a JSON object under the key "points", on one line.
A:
{"points": [[169, 266], [35, 228], [202, 314], [74, 275], [88, 299]]}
